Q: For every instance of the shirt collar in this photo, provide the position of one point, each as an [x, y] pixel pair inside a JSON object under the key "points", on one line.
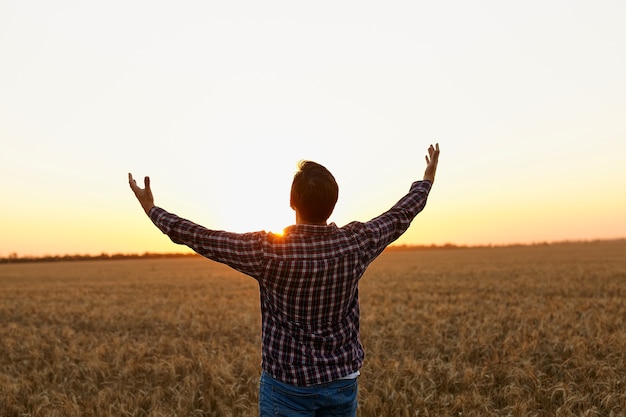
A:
{"points": [[310, 229]]}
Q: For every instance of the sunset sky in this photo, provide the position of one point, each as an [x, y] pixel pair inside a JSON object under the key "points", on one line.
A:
{"points": [[218, 100]]}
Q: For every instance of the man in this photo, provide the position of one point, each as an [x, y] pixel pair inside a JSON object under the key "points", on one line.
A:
{"points": [[308, 281]]}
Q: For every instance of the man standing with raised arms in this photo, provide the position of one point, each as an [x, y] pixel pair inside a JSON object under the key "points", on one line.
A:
{"points": [[308, 281]]}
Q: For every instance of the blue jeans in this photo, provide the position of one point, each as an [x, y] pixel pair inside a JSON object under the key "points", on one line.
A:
{"points": [[337, 398]]}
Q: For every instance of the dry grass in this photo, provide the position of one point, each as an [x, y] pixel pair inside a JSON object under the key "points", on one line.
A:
{"points": [[521, 331]]}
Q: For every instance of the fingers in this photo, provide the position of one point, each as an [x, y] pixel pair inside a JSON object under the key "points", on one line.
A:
{"points": [[431, 163], [146, 180], [132, 182], [433, 153]]}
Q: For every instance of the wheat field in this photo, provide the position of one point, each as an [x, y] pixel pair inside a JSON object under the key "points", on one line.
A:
{"points": [[507, 331]]}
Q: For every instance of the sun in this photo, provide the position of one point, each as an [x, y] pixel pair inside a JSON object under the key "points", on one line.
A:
{"points": [[240, 216], [253, 200]]}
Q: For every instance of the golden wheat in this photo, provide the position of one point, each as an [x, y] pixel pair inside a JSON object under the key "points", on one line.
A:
{"points": [[513, 331]]}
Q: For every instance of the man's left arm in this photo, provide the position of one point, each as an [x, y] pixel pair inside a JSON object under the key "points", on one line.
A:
{"points": [[243, 252]]}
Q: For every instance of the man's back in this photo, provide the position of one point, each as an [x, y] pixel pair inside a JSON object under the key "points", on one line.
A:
{"points": [[309, 300]]}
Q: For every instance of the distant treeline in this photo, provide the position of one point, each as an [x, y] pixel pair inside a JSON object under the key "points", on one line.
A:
{"points": [[15, 258]]}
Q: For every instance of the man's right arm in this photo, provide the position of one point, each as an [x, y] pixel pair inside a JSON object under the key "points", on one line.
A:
{"points": [[389, 226]]}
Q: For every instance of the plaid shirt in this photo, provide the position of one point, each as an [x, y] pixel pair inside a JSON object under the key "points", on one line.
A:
{"points": [[308, 279]]}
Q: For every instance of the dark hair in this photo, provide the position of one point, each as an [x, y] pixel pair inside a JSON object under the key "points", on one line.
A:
{"points": [[314, 192]]}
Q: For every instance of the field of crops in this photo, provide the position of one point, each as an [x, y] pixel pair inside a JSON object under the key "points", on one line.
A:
{"points": [[512, 331]]}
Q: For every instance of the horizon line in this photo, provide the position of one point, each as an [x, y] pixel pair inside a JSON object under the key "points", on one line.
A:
{"points": [[13, 257]]}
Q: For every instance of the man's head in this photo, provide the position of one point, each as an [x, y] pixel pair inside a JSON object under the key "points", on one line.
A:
{"points": [[314, 193]]}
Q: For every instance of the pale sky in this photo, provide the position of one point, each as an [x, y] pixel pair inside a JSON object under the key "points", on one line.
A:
{"points": [[217, 102]]}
